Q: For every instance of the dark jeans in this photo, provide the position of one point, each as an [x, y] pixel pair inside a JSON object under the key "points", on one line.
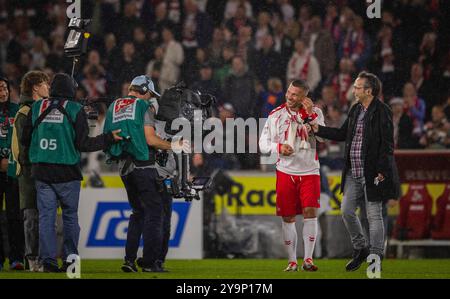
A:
{"points": [[146, 217], [10, 189], [48, 195]]}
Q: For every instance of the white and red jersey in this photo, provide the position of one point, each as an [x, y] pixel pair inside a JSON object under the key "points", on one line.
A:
{"points": [[304, 160]]}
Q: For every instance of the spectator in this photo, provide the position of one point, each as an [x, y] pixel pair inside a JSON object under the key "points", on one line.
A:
{"points": [[214, 50], [173, 58], [342, 82], [127, 23], [287, 10], [304, 17], [174, 11], [414, 108], [143, 47], [283, 44], [331, 21], [10, 49], [225, 160], [39, 53], [239, 89], [328, 98], [355, 44], [160, 21], [56, 59], [447, 107], [437, 131], [232, 7], [111, 49], [224, 70], [154, 67], [192, 70], [272, 97], [266, 62], [239, 20], [125, 68], [321, 46], [303, 65], [245, 47], [444, 78], [403, 126], [94, 82], [428, 57], [423, 87], [263, 29], [197, 27], [93, 60], [206, 84]]}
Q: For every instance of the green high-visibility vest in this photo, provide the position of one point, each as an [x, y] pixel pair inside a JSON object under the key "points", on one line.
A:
{"points": [[127, 114], [53, 140]]}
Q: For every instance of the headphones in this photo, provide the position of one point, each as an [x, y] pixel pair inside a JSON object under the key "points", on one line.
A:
{"points": [[143, 88]]}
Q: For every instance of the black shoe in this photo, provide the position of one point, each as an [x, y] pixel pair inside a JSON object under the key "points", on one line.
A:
{"points": [[156, 267], [64, 266], [140, 262], [51, 268], [359, 256], [129, 267]]}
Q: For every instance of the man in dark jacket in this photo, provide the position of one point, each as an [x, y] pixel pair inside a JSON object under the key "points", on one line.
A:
{"points": [[56, 131], [367, 178]]}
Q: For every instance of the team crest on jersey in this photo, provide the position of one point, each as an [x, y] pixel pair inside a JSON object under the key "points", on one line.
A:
{"points": [[55, 116], [124, 109]]}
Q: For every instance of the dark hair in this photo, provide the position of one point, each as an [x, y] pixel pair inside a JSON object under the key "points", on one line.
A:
{"points": [[300, 84], [372, 82], [31, 79]]}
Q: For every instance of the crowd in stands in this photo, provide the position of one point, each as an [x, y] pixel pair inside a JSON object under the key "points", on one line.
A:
{"points": [[246, 52]]}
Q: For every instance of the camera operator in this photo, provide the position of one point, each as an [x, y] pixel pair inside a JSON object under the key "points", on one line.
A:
{"points": [[135, 116], [166, 167], [56, 131]]}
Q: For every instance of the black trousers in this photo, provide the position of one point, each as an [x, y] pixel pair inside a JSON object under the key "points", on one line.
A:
{"points": [[167, 216], [146, 217], [9, 190]]}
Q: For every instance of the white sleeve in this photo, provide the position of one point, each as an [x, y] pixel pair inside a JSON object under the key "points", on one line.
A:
{"points": [[320, 120], [268, 142]]}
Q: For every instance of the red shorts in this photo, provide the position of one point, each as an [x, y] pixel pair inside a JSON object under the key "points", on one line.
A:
{"points": [[294, 193]]}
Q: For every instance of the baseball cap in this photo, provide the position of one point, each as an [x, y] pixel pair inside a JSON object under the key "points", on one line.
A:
{"points": [[145, 83]]}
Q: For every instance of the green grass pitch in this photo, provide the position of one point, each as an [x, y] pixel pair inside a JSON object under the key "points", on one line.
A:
{"points": [[248, 269]]}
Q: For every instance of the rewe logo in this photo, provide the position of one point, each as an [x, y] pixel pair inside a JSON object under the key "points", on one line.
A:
{"points": [[110, 224], [74, 9]]}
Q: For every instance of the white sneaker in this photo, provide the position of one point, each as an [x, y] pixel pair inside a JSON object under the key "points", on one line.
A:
{"points": [[35, 265], [291, 267]]}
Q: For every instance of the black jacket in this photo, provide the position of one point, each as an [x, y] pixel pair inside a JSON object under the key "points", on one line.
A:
{"points": [[58, 173], [377, 148]]}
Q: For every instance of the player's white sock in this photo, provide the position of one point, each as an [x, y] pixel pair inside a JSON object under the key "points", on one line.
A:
{"points": [[290, 240], [309, 236]]}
